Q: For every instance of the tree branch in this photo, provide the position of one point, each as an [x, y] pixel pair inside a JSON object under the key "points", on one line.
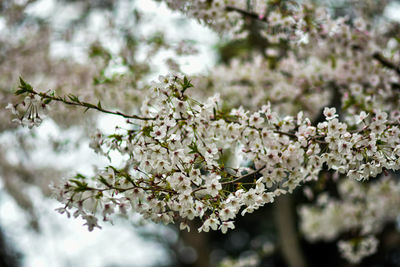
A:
{"points": [[246, 13], [385, 62], [77, 102], [235, 180], [245, 176]]}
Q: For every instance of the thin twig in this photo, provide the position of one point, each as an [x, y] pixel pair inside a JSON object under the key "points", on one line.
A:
{"points": [[235, 180], [246, 13], [245, 176], [285, 133], [88, 106]]}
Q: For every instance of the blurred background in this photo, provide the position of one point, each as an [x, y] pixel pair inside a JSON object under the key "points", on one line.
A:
{"points": [[110, 50]]}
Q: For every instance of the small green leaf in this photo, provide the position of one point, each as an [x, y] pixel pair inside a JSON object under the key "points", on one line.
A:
{"points": [[104, 181], [333, 62], [74, 98], [146, 131], [20, 91], [80, 186], [194, 148], [186, 84], [380, 142], [24, 85], [99, 195], [22, 82], [79, 176]]}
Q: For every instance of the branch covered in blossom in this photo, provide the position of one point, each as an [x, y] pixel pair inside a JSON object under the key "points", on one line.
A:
{"points": [[174, 168], [191, 156]]}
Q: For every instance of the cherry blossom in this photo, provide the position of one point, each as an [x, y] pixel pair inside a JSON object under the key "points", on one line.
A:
{"points": [[328, 104]]}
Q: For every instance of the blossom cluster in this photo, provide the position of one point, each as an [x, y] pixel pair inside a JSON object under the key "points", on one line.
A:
{"points": [[355, 250], [29, 112], [189, 155], [360, 208], [212, 13], [175, 172], [286, 20], [338, 63], [252, 84]]}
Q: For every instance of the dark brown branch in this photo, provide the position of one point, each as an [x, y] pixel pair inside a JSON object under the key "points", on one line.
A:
{"points": [[235, 180], [245, 176], [246, 13], [385, 62], [286, 133]]}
